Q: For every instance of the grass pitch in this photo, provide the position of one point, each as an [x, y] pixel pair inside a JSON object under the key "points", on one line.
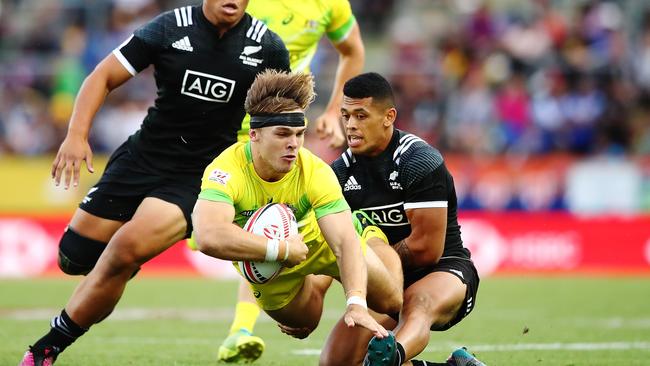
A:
{"points": [[517, 321]]}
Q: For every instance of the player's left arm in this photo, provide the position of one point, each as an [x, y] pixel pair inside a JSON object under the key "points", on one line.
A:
{"points": [[335, 221], [351, 59], [427, 240], [340, 235], [424, 177], [342, 238]]}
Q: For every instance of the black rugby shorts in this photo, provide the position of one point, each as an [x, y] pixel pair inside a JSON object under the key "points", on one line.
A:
{"points": [[462, 268], [125, 184]]}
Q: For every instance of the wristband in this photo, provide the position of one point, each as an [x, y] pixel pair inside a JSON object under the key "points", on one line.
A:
{"points": [[272, 249], [286, 251], [357, 300]]}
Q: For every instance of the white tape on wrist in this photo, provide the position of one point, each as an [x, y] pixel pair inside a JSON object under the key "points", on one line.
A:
{"points": [[357, 300], [272, 249]]}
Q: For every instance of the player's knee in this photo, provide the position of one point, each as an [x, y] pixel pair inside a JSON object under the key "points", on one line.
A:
{"points": [[77, 254], [421, 307], [394, 302], [388, 304]]}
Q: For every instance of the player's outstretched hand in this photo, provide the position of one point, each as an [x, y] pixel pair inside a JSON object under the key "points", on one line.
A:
{"points": [[67, 163], [328, 126], [297, 250], [300, 333], [357, 315]]}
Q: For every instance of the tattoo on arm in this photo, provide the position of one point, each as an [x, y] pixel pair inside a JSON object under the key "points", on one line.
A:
{"points": [[404, 253]]}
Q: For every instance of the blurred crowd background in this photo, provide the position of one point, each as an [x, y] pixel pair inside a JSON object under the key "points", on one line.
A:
{"points": [[537, 105]]}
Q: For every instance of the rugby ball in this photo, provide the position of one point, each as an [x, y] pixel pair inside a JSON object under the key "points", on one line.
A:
{"points": [[273, 221]]}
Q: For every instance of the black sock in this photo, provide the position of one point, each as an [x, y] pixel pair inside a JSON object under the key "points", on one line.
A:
{"points": [[427, 363], [401, 354], [64, 331]]}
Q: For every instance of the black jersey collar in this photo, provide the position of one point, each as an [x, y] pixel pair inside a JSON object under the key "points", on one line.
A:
{"points": [[205, 23]]}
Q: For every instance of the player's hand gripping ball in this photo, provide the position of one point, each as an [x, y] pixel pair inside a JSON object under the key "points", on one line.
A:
{"points": [[273, 221]]}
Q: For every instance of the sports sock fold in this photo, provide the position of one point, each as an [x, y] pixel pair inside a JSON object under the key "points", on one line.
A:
{"points": [[63, 332]]}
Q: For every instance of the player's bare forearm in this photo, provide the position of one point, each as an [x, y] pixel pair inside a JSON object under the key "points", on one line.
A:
{"points": [[351, 60], [341, 237], [74, 149], [427, 240], [354, 273], [108, 75], [218, 237], [419, 250], [404, 253]]}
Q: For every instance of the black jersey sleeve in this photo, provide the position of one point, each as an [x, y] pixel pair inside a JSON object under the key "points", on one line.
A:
{"points": [[277, 53], [339, 168], [424, 177], [141, 49]]}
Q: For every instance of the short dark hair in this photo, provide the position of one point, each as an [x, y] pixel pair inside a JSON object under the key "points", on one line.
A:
{"points": [[369, 84]]}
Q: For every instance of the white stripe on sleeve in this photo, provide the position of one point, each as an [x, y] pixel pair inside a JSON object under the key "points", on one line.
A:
{"points": [[178, 17], [189, 15], [120, 57], [259, 36], [429, 204], [184, 16]]}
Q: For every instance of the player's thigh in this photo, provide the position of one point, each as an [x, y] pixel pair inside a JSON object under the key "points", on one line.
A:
{"points": [[385, 280], [304, 309], [437, 297], [182, 193], [94, 227], [380, 255], [155, 226]]}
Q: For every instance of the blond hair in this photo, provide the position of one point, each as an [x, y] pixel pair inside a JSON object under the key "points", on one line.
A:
{"points": [[275, 92]]}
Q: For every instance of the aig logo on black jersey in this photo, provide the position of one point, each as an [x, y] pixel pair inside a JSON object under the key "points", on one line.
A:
{"points": [[388, 215], [207, 87]]}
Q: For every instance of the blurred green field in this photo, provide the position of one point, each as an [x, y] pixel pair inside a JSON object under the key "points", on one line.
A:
{"points": [[160, 321]]}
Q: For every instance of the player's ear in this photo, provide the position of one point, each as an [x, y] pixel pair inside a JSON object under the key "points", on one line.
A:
{"points": [[390, 116], [253, 133]]}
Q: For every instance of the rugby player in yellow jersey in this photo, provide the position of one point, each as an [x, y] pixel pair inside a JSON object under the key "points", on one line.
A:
{"points": [[273, 167], [301, 25]]}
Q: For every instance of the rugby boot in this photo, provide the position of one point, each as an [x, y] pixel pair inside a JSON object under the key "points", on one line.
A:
{"points": [[241, 347], [381, 351], [461, 357], [39, 356]]}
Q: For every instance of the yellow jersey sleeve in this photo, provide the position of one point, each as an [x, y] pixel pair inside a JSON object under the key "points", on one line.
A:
{"points": [[342, 21], [222, 179], [324, 192]]}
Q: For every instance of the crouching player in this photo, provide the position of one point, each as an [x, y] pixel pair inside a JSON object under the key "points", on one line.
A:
{"points": [[402, 183], [273, 167]]}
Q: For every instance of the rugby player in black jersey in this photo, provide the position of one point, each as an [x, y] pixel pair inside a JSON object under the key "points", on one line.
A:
{"points": [[205, 58], [398, 182]]}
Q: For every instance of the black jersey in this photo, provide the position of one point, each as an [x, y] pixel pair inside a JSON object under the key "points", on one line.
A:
{"points": [[408, 174], [202, 81]]}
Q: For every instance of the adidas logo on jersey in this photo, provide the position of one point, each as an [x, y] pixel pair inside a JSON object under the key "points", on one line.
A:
{"points": [[183, 44], [351, 185]]}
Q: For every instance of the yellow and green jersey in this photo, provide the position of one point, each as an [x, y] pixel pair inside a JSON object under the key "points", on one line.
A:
{"points": [[301, 25], [310, 189]]}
